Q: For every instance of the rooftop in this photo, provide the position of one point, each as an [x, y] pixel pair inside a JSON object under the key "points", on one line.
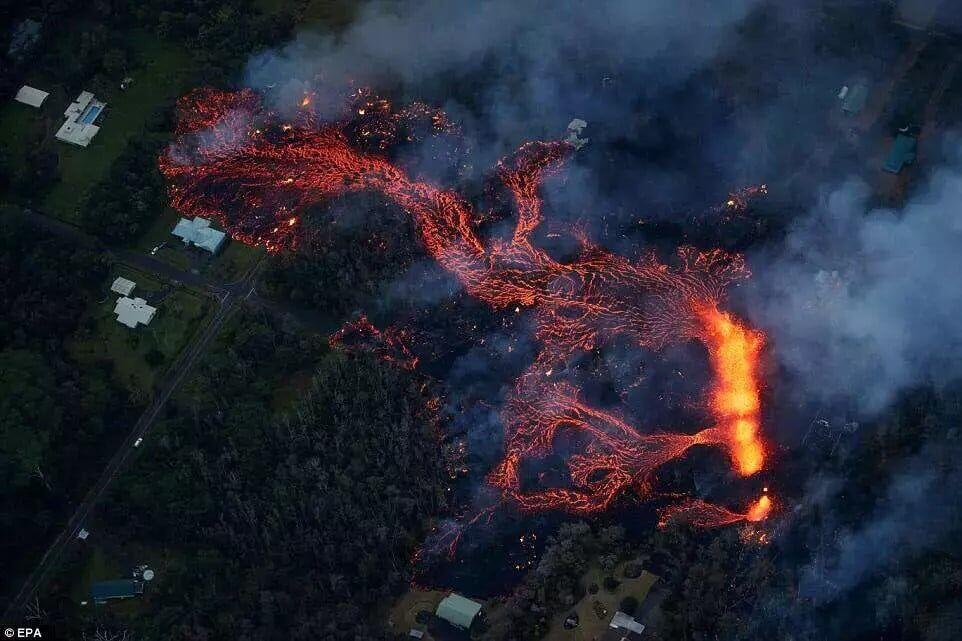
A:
{"points": [[902, 153], [622, 621], [30, 96], [123, 286], [199, 233], [79, 128], [458, 611], [134, 311]]}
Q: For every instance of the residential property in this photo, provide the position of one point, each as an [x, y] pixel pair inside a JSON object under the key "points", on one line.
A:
{"points": [[117, 589], [79, 128], [123, 286], [30, 96], [623, 628], [199, 233], [458, 611], [133, 312], [901, 154]]}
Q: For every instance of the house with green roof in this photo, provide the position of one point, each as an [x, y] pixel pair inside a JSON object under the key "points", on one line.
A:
{"points": [[901, 154], [458, 611]]}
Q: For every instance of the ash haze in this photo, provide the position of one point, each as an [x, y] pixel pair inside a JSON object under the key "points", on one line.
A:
{"points": [[864, 302]]}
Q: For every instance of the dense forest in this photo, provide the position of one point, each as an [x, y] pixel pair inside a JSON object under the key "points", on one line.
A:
{"points": [[55, 417], [291, 519], [354, 250]]}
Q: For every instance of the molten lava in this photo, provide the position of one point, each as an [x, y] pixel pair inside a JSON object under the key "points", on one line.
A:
{"points": [[235, 162]]}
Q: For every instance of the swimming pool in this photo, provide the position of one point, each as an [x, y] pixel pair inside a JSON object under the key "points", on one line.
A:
{"points": [[91, 114]]}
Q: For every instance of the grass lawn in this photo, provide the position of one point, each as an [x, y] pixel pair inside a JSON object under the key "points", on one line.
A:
{"points": [[101, 337], [403, 616], [232, 261], [158, 233], [591, 625], [19, 127], [163, 71]]}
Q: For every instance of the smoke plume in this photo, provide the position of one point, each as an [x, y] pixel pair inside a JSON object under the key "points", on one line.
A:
{"points": [[862, 302]]}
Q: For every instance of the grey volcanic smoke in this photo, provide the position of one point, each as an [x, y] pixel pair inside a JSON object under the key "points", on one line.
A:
{"points": [[862, 303]]}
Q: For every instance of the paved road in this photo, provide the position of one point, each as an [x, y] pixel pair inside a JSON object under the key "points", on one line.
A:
{"points": [[227, 296], [138, 259]]}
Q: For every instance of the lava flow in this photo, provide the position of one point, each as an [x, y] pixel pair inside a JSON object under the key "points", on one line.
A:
{"points": [[236, 162]]}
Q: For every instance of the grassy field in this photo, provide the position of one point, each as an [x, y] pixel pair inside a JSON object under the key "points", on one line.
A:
{"points": [[403, 616], [595, 610], [163, 71], [101, 337]]}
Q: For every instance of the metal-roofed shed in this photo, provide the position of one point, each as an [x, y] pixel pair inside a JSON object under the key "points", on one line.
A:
{"points": [[123, 286], [31, 96], [458, 611], [901, 154]]}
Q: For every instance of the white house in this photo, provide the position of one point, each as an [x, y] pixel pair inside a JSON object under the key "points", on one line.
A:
{"points": [[123, 286], [133, 311], [625, 626], [30, 96], [79, 128], [199, 233]]}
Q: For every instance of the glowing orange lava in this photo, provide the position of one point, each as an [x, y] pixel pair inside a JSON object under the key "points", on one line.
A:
{"points": [[234, 162]]}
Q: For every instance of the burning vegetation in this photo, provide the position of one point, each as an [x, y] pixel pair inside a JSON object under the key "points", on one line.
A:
{"points": [[236, 162]]}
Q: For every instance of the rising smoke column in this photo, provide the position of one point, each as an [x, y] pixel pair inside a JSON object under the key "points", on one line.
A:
{"points": [[238, 163]]}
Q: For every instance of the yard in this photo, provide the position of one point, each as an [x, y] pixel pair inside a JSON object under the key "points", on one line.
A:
{"points": [[403, 615], [595, 610], [139, 355], [162, 72]]}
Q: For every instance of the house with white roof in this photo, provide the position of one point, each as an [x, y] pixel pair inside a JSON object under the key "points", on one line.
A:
{"points": [[133, 312], [79, 128], [199, 233], [30, 96], [123, 286]]}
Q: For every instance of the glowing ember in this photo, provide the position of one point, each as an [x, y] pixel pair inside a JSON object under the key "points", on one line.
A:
{"points": [[253, 183]]}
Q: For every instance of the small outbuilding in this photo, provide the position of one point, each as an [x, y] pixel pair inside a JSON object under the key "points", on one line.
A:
{"points": [[123, 286], [199, 233], [31, 96], [133, 312], [901, 154], [115, 590], [459, 611], [623, 628]]}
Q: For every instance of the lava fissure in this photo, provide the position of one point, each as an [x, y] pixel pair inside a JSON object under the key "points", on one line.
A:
{"points": [[235, 162]]}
